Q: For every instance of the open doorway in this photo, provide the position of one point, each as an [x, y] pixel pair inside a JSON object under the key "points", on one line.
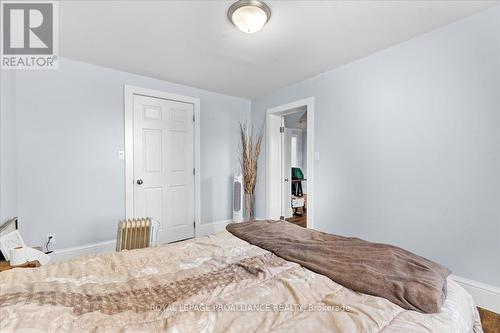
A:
{"points": [[290, 156], [294, 166]]}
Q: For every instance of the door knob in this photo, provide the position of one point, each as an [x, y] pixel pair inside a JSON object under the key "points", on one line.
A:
{"points": [[139, 181]]}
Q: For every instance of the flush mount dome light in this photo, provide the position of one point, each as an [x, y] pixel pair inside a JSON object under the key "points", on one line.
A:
{"points": [[249, 15]]}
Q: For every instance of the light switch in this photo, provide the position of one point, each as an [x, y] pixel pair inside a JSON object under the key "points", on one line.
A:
{"points": [[316, 155], [121, 155]]}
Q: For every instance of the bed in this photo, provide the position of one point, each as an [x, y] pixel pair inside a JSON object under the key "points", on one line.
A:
{"points": [[216, 283]]}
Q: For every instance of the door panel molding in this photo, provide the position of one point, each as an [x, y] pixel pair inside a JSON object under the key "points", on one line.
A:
{"points": [[129, 92]]}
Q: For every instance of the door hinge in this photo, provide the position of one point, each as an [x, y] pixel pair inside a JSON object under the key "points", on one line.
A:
{"points": [[194, 224], [194, 119], [194, 171], [282, 129]]}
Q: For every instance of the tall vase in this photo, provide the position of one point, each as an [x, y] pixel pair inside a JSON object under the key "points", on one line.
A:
{"points": [[249, 198]]}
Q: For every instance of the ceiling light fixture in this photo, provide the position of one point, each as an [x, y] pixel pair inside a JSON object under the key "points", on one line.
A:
{"points": [[249, 15]]}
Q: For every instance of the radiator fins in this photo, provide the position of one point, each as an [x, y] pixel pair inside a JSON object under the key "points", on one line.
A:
{"points": [[134, 234]]}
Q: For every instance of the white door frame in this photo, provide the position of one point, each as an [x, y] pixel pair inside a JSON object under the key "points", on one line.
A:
{"points": [[273, 157], [129, 92]]}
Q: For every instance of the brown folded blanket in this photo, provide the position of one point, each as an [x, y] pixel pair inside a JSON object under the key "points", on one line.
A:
{"points": [[408, 280]]}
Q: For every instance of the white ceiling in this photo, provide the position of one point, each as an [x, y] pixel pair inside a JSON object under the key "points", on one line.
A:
{"points": [[193, 43]]}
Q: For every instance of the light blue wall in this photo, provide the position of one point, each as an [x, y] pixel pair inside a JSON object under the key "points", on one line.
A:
{"points": [[70, 126], [409, 140], [8, 188]]}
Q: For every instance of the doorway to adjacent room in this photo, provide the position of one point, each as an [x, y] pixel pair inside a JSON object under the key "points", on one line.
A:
{"points": [[290, 158]]}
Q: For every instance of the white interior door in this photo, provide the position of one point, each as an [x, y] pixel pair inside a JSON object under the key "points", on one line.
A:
{"points": [[164, 165], [274, 170], [287, 171]]}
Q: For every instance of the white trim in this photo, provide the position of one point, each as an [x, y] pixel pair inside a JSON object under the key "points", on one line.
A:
{"points": [[129, 92], [110, 245], [212, 228], [282, 110], [484, 295], [84, 250]]}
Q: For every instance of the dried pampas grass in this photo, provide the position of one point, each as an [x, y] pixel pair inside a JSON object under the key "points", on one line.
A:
{"points": [[250, 150]]}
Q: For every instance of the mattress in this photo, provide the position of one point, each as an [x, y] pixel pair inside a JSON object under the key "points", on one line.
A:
{"points": [[217, 283]]}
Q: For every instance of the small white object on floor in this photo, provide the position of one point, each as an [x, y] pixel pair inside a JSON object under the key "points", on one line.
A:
{"points": [[297, 202], [22, 255]]}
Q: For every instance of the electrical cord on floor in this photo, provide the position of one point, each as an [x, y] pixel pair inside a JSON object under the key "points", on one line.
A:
{"points": [[47, 245]]}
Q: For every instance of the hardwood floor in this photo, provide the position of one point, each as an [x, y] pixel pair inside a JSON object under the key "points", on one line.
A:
{"points": [[301, 221], [490, 321]]}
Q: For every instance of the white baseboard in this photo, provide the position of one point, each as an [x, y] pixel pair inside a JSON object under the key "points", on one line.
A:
{"points": [[110, 245], [484, 295], [84, 250], [211, 228]]}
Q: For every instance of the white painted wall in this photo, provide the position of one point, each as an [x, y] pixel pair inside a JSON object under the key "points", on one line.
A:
{"points": [[8, 188], [69, 128], [409, 141], [298, 134], [301, 135]]}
